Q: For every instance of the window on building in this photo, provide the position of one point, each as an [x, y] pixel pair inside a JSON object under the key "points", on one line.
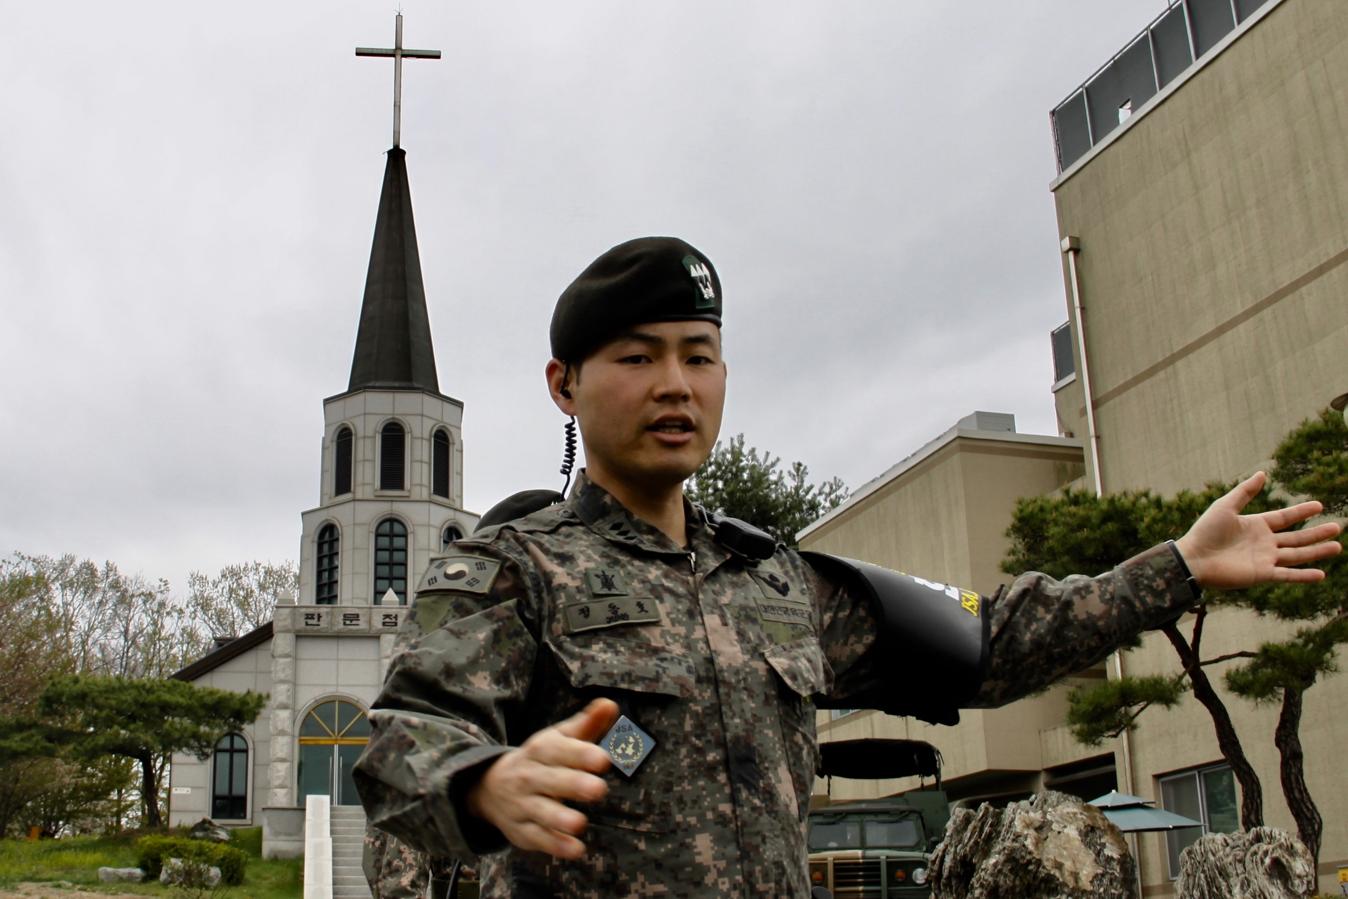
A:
{"points": [[325, 565], [1064, 365], [440, 463], [449, 535], [392, 447], [341, 465], [229, 786], [390, 560], [1207, 795]]}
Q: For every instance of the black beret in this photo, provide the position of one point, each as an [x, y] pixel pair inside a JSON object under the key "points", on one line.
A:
{"points": [[650, 279], [518, 505]]}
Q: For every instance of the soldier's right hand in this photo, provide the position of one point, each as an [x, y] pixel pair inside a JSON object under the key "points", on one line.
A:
{"points": [[522, 792]]}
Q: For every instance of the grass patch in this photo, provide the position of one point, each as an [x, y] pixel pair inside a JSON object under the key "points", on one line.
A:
{"points": [[76, 860]]}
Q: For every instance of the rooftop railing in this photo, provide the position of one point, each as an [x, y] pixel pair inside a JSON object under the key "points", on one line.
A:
{"points": [[1163, 51]]}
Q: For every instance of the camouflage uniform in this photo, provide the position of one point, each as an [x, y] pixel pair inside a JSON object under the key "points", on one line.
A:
{"points": [[713, 657], [393, 869]]}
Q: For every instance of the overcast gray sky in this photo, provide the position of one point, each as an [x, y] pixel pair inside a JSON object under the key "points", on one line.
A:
{"points": [[187, 198]]}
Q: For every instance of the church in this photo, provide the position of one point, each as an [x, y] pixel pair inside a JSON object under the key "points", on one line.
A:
{"points": [[391, 495]]}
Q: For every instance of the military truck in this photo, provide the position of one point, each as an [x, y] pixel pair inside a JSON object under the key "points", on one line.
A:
{"points": [[879, 848]]}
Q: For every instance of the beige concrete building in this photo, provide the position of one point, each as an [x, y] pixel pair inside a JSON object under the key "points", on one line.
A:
{"points": [[1203, 217], [961, 488]]}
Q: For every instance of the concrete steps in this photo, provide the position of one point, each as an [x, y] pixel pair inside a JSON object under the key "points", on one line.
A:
{"points": [[348, 845]]}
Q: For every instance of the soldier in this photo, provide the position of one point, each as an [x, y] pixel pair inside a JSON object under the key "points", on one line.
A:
{"points": [[615, 696]]}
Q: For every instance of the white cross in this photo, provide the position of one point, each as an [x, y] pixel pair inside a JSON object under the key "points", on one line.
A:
{"points": [[398, 53]]}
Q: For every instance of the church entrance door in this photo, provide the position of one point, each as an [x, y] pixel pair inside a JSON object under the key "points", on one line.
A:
{"points": [[332, 737]]}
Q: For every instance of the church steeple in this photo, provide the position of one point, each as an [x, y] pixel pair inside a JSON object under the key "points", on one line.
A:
{"points": [[393, 343]]}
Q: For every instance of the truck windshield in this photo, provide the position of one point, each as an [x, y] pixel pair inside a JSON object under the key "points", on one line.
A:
{"points": [[836, 835], [866, 832], [893, 832]]}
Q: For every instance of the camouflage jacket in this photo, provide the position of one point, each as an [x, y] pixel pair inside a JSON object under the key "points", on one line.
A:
{"points": [[717, 660]]}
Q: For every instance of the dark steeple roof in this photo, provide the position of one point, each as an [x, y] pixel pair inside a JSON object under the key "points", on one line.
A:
{"points": [[393, 345]]}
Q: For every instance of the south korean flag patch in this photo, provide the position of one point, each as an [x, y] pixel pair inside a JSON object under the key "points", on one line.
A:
{"points": [[467, 574], [701, 276]]}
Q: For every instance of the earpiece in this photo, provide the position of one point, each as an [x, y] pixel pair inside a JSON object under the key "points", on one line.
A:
{"points": [[564, 391], [569, 453]]}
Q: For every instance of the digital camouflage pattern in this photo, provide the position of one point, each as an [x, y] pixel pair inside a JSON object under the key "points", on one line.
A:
{"points": [[393, 869], [717, 659]]}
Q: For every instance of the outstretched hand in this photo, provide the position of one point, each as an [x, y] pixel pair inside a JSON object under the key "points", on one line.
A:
{"points": [[1227, 550], [522, 792]]}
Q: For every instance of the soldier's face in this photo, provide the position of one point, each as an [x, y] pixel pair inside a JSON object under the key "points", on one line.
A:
{"points": [[649, 403]]}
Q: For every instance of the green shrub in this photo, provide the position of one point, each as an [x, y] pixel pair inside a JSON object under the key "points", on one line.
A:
{"points": [[152, 850]]}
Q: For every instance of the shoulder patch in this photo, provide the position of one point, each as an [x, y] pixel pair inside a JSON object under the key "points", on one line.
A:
{"points": [[467, 574]]}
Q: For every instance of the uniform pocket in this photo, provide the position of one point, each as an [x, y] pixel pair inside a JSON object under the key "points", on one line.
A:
{"points": [[802, 674], [801, 666], [648, 681]]}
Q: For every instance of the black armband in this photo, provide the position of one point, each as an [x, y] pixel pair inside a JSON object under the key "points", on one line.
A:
{"points": [[931, 645]]}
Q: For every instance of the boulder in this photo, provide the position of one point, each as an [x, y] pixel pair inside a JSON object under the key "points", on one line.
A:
{"points": [[120, 875], [206, 829], [177, 872], [1260, 863], [1052, 846]]}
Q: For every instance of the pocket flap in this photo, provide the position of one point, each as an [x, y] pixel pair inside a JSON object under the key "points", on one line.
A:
{"points": [[623, 665], [801, 664]]}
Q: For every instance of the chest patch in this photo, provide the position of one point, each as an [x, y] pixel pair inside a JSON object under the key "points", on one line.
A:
{"points": [[772, 584], [605, 582], [588, 615], [469, 574], [627, 745]]}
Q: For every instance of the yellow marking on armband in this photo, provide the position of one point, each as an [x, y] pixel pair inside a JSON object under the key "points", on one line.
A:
{"points": [[970, 602]]}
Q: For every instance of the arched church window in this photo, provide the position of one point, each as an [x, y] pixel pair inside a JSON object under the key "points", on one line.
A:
{"points": [[331, 738], [449, 535], [325, 565], [392, 445], [341, 466], [390, 560], [229, 786], [440, 463]]}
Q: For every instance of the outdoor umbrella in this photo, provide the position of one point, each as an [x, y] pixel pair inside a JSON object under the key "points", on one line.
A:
{"points": [[1133, 814]]}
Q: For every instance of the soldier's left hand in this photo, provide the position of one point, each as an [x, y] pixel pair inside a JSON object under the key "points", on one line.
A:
{"points": [[1227, 550]]}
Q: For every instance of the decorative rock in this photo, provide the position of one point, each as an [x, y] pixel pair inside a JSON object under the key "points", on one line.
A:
{"points": [[1261, 863], [206, 829], [120, 875], [1052, 846], [190, 874]]}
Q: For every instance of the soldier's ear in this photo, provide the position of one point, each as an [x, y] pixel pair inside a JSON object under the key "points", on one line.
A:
{"points": [[559, 385]]}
